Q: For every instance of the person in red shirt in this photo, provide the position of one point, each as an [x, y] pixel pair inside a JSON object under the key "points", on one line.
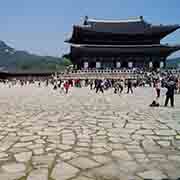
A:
{"points": [[66, 86]]}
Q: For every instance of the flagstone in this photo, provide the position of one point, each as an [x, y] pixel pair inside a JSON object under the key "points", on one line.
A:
{"points": [[14, 167], [64, 171], [83, 163], [121, 154], [152, 174], [23, 157], [40, 174]]}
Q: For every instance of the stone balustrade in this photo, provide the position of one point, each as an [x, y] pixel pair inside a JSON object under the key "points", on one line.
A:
{"points": [[93, 74]]}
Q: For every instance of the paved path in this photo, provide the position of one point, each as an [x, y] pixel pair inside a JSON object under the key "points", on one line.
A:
{"points": [[84, 136]]}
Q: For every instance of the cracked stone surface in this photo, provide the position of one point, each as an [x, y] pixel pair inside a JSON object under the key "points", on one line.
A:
{"points": [[63, 171], [46, 135]]}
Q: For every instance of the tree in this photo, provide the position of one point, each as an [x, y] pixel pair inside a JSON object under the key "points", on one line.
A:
{"points": [[66, 62]]}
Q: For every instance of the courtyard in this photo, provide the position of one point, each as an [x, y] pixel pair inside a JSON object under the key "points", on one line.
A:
{"points": [[45, 135]]}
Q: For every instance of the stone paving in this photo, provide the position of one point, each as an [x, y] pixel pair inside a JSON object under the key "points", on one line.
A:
{"points": [[45, 135]]}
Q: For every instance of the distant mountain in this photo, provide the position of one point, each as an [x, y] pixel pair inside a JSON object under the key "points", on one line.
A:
{"points": [[22, 60], [5, 48]]}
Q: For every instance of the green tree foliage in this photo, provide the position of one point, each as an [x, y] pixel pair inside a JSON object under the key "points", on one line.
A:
{"points": [[65, 62], [44, 64]]}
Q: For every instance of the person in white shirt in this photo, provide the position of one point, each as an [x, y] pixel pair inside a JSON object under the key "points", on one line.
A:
{"points": [[62, 87]]}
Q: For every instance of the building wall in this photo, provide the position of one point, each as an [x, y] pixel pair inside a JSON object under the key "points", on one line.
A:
{"points": [[121, 62]]}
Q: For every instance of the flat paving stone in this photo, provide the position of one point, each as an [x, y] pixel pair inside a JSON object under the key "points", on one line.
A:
{"points": [[28, 138], [164, 143], [14, 167], [124, 155], [174, 157], [3, 155], [40, 174], [64, 171], [108, 171], [83, 163], [38, 151], [12, 176], [152, 174], [165, 132], [68, 155], [64, 147], [82, 178], [26, 144], [23, 157], [102, 159], [46, 159]]}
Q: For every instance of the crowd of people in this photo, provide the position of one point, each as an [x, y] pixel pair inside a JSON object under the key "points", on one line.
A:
{"points": [[119, 86]]}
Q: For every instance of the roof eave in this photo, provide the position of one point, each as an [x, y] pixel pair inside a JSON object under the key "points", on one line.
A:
{"points": [[171, 29]]}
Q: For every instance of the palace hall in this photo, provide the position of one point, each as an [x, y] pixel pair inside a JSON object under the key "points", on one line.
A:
{"points": [[131, 43]]}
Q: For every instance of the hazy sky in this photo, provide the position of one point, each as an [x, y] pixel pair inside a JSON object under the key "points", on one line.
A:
{"points": [[41, 26]]}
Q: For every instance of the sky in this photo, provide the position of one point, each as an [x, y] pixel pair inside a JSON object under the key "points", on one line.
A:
{"points": [[41, 26]]}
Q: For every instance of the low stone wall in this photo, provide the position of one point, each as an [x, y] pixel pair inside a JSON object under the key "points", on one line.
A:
{"points": [[101, 74]]}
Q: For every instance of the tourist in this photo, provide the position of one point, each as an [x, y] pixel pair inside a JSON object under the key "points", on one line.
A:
{"points": [[178, 85], [75, 82], [121, 86], [47, 82], [55, 86], [78, 83], [59, 84], [99, 86], [71, 82], [91, 84], [62, 87], [103, 84], [129, 86], [22, 83], [86, 82], [66, 86], [116, 87], [95, 83], [171, 86], [107, 84], [158, 88]]}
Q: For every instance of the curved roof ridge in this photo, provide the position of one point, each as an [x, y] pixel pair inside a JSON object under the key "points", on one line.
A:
{"points": [[146, 45], [133, 19]]}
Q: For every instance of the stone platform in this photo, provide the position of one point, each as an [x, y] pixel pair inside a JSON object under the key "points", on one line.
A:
{"points": [[45, 135]]}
